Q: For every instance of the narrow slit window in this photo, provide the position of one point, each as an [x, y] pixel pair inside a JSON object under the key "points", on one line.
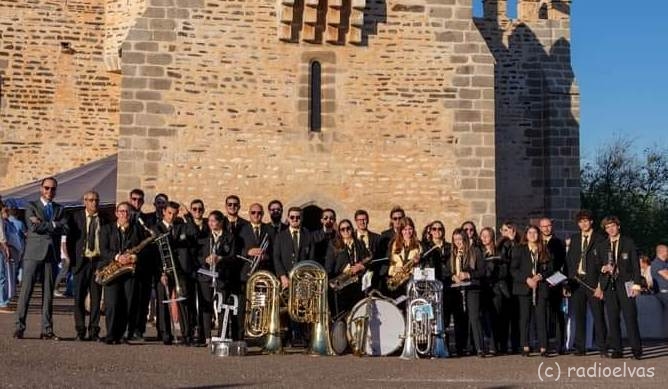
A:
{"points": [[315, 113]]}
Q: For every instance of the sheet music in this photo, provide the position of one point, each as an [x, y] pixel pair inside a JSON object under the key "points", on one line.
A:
{"points": [[556, 278], [628, 285], [426, 274], [366, 280]]}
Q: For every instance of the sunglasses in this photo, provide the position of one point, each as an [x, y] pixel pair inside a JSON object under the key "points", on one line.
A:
{"points": [[294, 217], [233, 205], [395, 218], [275, 210], [256, 212], [345, 229], [197, 209], [137, 198], [437, 229], [467, 229], [49, 187], [327, 218]]}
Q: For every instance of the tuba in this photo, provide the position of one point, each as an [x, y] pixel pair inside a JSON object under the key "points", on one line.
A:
{"points": [[424, 321], [262, 310], [115, 269], [307, 303]]}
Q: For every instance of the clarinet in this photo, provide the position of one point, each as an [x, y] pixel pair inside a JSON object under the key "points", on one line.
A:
{"points": [[535, 270], [462, 290], [611, 276]]}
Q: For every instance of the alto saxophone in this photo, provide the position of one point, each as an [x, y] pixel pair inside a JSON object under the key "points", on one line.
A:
{"points": [[405, 272], [115, 269]]}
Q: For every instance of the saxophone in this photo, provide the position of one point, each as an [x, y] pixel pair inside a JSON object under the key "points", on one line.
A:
{"points": [[115, 269], [405, 272]]}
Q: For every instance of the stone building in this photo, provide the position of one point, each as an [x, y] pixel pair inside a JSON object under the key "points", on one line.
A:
{"points": [[338, 103]]}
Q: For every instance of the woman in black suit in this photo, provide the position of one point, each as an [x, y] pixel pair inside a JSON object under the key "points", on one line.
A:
{"points": [[216, 252], [346, 254], [530, 266], [467, 268]]}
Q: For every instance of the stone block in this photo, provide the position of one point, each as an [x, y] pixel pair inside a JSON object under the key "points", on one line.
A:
{"points": [[159, 59], [149, 120], [152, 71]]}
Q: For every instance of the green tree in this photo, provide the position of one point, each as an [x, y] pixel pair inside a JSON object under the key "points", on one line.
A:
{"points": [[631, 185]]}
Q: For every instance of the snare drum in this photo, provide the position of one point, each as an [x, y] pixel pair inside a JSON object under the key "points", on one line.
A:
{"points": [[385, 327]]}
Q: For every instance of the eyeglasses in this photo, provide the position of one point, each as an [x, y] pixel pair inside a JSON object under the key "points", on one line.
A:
{"points": [[197, 209], [294, 217], [362, 220], [345, 229], [256, 212], [275, 210], [233, 205], [52, 188]]}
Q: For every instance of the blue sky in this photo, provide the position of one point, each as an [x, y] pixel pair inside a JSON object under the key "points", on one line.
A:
{"points": [[620, 59]]}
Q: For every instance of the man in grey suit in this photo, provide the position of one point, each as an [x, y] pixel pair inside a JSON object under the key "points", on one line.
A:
{"points": [[47, 224]]}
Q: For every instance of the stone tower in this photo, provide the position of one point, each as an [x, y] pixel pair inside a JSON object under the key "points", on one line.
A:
{"points": [[341, 103]]}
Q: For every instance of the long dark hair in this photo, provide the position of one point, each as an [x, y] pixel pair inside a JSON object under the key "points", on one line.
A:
{"points": [[541, 250], [493, 243], [339, 244], [467, 250]]}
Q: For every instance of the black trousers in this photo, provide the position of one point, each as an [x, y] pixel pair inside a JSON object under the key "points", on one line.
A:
{"points": [[453, 308], [539, 313], [205, 311], [616, 301], [84, 284], [473, 311], [580, 297], [118, 297], [143, 286], [556, 316], [495, 312]]}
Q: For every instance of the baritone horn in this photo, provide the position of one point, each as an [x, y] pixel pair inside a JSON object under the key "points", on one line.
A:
{"points": [[262, 310], [307, 303], [424, 321]]}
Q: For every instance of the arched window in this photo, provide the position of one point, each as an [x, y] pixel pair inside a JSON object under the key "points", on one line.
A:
{"points": [[315, 122]]}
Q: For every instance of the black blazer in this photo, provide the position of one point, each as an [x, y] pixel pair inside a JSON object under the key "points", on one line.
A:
{"points": [[592, 260], [76, 238], [627, 261], [337, 259], [111, 243], [477, 273], [439, 259], [521, 268], [284, 258], [557, 250], [183, 241], [224, 248], [280, 227], [374, 242], [249, 241], [322, 241]]}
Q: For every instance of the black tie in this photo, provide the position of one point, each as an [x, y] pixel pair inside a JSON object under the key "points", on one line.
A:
{"points": [[92, 229], [295, 243], [257, 233]]}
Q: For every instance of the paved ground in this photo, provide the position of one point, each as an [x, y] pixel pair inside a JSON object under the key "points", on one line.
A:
{"points": [[35, 363]]}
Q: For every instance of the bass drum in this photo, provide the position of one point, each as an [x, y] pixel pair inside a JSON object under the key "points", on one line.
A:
{"points": [[385, 327]]}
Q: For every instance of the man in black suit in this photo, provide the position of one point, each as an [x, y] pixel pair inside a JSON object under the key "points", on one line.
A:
{"points": [[619, 255], [557, 250], [371, 242], [47, 224], [257, 238], [326, 234], [84, 247], [584, 269], [181, 278], [234, 221], [291, 246], [396, 214], [275, 208], [115, 240]]}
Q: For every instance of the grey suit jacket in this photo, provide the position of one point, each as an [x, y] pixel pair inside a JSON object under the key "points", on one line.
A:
{"points": [[43, 238]]}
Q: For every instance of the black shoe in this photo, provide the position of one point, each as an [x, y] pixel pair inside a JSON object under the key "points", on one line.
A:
{"points": [[80, 338], [544, 354], [167, 342], [49, 336], [579, 353], [604, 354], [526, 353], [18, 334], [617, 355], [637, 355], [108, 340]]}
